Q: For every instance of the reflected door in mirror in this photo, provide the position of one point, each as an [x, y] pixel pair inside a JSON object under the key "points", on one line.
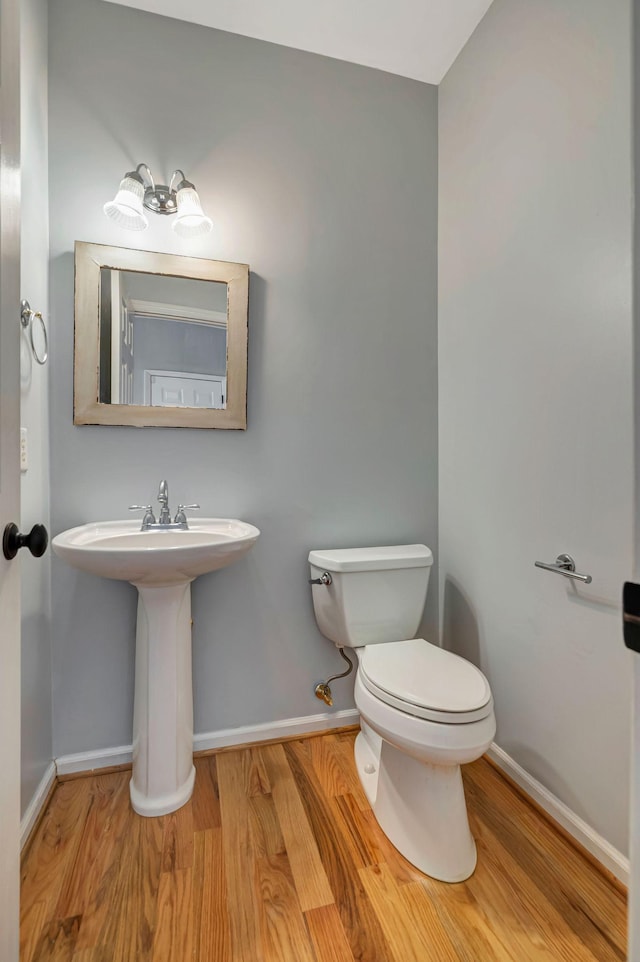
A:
{"points": [[163, 340], [172, 389]]}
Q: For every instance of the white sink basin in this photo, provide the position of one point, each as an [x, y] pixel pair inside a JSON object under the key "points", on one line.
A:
{"points": [[118, 549], [161, 565]]}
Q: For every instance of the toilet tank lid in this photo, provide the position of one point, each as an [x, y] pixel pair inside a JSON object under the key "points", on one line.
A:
{"points": [[372, 559]]}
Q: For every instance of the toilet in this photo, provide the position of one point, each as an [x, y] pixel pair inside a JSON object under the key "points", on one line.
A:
{"points": [[424, 711]]}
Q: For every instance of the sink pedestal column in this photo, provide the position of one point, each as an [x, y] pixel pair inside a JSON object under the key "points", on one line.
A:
{"points": [[163, 772]]}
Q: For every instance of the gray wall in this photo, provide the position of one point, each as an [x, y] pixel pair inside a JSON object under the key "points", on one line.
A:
{"points": [[34, 407], [322, 176], [535, 357]]}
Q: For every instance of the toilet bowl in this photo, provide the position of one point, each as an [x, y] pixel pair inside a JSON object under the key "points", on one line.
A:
{"points": [[424, 711]]}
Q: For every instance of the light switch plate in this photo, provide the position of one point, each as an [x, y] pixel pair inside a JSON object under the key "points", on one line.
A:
{"points": [[24, 450]]}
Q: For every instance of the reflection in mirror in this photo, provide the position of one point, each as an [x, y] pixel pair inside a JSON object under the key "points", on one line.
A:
{"points": [[160, 339], [163, 340]]}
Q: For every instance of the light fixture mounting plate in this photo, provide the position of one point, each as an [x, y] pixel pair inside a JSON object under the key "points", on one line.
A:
{"points": [[161, 200]]}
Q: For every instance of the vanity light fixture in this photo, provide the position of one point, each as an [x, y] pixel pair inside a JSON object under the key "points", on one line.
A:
{"points": [[138, 189]]}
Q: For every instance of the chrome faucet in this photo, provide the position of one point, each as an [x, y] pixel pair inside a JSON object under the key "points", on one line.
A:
{"points": [[163, 498], [164, 522]]}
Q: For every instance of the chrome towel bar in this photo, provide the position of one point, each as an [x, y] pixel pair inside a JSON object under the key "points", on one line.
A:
{"points": [[564, 565]]}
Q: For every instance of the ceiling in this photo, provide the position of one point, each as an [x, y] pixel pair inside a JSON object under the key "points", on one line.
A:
{"points": [[413, 38]]}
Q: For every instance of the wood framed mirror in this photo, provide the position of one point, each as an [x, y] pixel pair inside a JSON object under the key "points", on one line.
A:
{"points": [[160, 339]]}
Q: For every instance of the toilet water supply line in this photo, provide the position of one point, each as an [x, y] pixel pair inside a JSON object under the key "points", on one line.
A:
{"points": [[322, 690]]}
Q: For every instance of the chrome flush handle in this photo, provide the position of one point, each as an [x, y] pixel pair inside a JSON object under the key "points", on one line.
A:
{"points": [[324, 579]]}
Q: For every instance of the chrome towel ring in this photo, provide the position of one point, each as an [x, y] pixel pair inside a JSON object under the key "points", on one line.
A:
{"points": [[27, 317]]}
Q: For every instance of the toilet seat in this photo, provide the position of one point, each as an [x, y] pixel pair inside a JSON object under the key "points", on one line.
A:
{"points": [[426, 681]]}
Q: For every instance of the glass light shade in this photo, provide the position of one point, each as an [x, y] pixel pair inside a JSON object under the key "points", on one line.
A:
{"points": [[126, 207], [190, 221]]}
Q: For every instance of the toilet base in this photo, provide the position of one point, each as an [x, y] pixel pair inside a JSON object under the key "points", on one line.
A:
{"points": [[419, 806]]}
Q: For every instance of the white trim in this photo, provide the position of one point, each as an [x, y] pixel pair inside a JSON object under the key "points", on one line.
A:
{"points": [[34, 807], [117, 308], [174, 312], [594, 843], [91, 761], [278, 729], [226, 737]]}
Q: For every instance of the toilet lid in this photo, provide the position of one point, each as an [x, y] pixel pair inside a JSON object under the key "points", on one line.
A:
{"points": [[423, 679]]}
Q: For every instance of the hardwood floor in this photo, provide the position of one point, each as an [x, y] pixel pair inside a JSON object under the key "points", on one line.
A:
{"points": [[279, 857]]}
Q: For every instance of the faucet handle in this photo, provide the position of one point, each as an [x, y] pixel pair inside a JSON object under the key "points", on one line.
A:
{"points": [[181, 517], [149, 517]]}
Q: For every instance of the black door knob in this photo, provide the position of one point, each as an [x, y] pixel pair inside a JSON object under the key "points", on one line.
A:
{"points": [[36, 541]]}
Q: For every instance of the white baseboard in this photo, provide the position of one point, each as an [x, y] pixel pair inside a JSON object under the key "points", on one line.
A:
{"points": [[34, 807], [93, 761], [279, 729], [594, 843], [286, 727]]}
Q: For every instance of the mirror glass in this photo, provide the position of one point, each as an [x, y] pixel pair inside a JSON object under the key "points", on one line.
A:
{"points": [[163, 340], [160, 339]]}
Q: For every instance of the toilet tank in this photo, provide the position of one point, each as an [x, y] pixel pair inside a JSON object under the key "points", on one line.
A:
{"points": [[376, 595]]}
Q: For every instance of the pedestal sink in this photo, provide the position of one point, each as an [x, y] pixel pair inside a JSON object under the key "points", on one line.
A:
{"points": [[161, 565]]}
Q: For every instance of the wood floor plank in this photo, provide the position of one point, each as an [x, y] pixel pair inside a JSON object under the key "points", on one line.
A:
{"points": [[197, 885], [50, 861], [266, 834], [177, 843], [173, 934], [510, 900], [98, 915], [576, 892], [255, 773], [101, 835], [283, 930], [32, 925], [343, 748], [423, 908], [99, 954], [466, 923], [130, 923], [354, 830], [312, 884], [561, 856], [57, 941], [327, 935], [407, 941], [212, 936], [205, 801], [360, 922], [98, 869], [239, 859], [330, 765]]}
